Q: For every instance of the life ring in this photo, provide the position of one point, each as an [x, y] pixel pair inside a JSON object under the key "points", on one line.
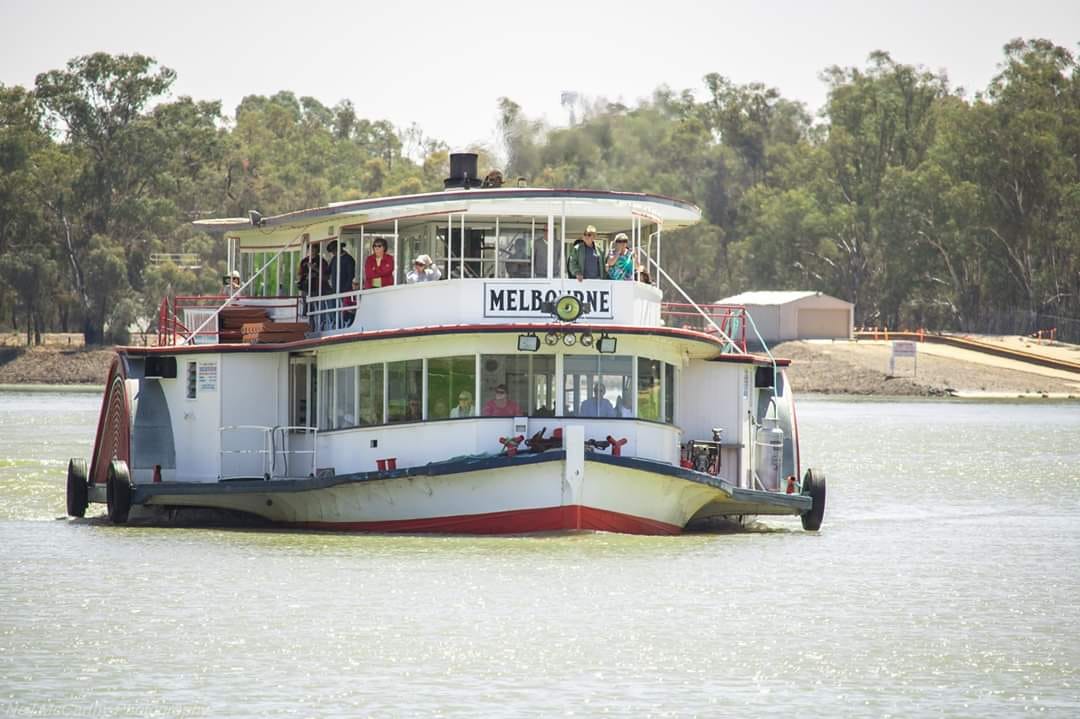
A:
{"points": [[118, 491], [813, 484], [78, 492]]}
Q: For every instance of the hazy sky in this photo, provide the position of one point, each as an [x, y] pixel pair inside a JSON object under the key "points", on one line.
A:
{"points": [[444, 64]]}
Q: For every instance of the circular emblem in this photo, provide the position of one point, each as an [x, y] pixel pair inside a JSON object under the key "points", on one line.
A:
{"points": [[568, 308]]}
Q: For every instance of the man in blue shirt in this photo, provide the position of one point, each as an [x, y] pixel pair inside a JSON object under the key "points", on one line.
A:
{"points": [[597, 405]]}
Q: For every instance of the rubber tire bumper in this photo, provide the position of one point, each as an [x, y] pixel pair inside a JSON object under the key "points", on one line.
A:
{"points": [[78, 491], [118, 491], [814, 485]]}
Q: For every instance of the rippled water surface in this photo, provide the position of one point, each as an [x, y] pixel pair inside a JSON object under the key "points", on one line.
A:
{"points": [[946, 581]]}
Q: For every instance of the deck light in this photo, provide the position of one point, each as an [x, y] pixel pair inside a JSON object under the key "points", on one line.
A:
{"points": [[569, 339], [606, 345], [528, 343], [551, 338], [586, 339]]}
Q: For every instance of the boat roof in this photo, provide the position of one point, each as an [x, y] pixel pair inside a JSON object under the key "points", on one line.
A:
{"points": [[666, 211]]}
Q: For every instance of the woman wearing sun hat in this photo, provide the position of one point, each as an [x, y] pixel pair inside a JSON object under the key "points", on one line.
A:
{"points": [[424, 270]]}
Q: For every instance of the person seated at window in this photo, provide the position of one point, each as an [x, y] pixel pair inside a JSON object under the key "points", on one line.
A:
{"points": [[412, 410], [597, 405], [424, 270], [464, 406], [620, 263], [501, 405], [622, 407], [378, 266]]}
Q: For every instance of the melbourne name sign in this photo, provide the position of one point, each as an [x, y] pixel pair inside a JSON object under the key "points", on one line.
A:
{"points": [[511, 299]]}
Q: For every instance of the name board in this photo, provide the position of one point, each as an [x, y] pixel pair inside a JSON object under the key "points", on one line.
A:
{"points": [[508, 299], [903, 348], [208, 376]]}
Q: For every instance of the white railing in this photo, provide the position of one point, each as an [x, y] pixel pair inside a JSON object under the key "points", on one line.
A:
{"points": [[275, 453]]}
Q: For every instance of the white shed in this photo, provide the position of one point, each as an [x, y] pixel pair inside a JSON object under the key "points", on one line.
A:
{"points": [[783, 316]]}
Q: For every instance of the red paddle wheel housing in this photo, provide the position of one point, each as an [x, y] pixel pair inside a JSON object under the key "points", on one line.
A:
{"points": [[114, 425]]}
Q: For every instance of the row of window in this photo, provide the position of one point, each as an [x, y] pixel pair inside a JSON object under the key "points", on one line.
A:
{"points": [[593, 385], [513, 250]]}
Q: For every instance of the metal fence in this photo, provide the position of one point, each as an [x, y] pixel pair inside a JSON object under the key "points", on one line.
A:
{"points": [[1034, 324]]}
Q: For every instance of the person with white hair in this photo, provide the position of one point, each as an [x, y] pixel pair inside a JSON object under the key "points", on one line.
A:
{"points": [[424, 270]]}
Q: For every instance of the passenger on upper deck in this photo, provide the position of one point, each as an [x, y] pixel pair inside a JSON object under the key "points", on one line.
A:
{"points": [[232, 283], [424, 270], [342, 267], [312, 282], [493, 179], [620, 263], [349, 303], [378, 266], [501, 405], [597, 405], [584, 262]]}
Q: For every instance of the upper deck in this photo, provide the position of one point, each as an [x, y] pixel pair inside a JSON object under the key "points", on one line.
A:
{"points": [[501, 255]]}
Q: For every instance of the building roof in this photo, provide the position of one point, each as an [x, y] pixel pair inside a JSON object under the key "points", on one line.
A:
{"points": [[780, 297]]}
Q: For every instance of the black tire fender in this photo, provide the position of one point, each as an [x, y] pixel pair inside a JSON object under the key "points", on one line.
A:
{"points": [[814, 485], [118, 490], [78, 491]]}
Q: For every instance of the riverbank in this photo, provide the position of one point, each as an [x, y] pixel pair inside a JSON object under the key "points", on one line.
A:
{"points": [[862, 368], [820, 367], [53, 365]]}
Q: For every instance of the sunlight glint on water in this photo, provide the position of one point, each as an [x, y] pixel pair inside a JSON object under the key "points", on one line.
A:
{"points": [[945, 581]]}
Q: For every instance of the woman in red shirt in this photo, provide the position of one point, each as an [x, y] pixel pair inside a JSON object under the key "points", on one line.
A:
{"points": [[378, 266]]}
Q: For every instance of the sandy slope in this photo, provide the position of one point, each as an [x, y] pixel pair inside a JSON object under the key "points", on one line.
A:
{"points": [[861, 368]]}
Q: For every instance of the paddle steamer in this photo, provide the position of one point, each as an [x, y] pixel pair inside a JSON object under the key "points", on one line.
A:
{"points": [[507, 396]]}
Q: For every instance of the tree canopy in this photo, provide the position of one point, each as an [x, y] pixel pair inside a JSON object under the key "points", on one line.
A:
{"points": [[922, 206]]}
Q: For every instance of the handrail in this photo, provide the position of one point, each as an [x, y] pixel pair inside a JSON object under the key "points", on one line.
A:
{"points": [[693, 304], [270, 449], [733, 317], [240, 290]]}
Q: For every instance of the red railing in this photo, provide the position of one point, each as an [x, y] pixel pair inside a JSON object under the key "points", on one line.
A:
{"points": [[172, 330], [731, 319]]}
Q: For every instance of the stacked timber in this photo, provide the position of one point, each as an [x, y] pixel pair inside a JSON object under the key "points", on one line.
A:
{"points": [[273, 332], [232, 320]]}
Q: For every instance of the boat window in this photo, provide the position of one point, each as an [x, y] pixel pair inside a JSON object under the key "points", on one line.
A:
{"points": [[344, 397], [404, 388], [415, 241], [648, 395], [597, 385], [301, 391], [370, 390], [529, 381], [326, 407], [669, 393], [513, 247], [449, 380]]}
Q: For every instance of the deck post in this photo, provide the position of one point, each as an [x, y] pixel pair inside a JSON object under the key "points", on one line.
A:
{"points": [[574, 471]]}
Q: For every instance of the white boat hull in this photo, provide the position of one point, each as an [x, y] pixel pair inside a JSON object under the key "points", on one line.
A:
{"points": [[531, 494]]}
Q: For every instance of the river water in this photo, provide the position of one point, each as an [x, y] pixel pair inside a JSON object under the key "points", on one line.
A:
{"points": [[945, 581]]}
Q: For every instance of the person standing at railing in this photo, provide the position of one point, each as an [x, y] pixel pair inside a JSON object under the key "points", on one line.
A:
{"points": [[378, 266], [312, 280], [584, 262], [342, 271], [620, 263]]}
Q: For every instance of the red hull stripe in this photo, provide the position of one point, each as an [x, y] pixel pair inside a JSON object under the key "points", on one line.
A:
{"points": [[517, 521]]}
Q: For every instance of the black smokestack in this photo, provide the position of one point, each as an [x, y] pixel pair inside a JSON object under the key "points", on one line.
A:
{"points": [[462, 171]]}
